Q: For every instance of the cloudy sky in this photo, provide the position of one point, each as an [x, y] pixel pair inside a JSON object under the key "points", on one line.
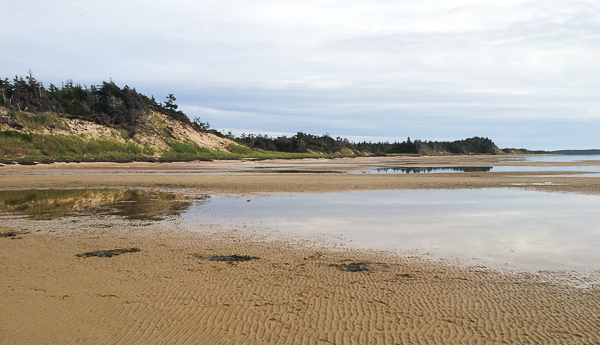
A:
{"points": [[523, 73]]}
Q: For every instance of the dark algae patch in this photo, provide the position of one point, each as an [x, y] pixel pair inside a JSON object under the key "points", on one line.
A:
{"points": [[108, 253], [354, 267], [232, 258], [14, 235]]}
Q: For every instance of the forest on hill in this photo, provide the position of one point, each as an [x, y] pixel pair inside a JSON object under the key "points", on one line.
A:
{"points": [[104, 104], [302, 142], [127, 110]]}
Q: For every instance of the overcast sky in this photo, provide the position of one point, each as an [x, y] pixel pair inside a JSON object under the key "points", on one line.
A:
{"points": [[523, 73]]}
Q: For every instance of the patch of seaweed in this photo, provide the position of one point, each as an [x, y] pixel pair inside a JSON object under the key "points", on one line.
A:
{"points": [[354, 267], [232, 258], [108, 253]]}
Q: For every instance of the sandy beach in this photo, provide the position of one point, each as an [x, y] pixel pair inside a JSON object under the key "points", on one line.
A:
{"points": [[172, 289]]}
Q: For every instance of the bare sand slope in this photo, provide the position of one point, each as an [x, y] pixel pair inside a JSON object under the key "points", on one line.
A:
{"points": [[169, 293]]}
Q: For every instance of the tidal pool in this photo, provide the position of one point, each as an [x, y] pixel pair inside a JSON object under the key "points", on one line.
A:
{"points": [[130, 204], [490, 227]]}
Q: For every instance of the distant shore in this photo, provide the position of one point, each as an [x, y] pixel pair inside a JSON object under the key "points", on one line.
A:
{"points": [[247, 176]]}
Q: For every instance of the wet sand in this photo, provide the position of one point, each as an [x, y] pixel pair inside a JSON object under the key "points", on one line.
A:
{"points": [[170, 293], [298, 292], [249, 177]]}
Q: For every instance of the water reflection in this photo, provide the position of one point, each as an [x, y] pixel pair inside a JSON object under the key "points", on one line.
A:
{"points": [[417, 170], [129, 204], [496, 227]]}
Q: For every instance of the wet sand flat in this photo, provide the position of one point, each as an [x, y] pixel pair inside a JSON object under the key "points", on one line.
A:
{"points": [[245, 177], [167, 291]]}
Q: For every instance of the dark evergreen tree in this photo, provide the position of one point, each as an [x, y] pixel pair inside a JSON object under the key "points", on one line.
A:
{"points": [[170, 102]]}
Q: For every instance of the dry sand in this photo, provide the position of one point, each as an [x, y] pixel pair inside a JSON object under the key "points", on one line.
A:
{"points": [[296, 293]]}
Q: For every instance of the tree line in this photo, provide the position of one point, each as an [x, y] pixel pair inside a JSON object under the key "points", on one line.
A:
{"points": [[302, 142]]}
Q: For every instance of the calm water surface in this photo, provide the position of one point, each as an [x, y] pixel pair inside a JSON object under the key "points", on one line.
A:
{"points": [[419, 170], [459, 169], [537, 168], [561, 159], [425, 170], [490, 227], [493, 227], [47, 204]]}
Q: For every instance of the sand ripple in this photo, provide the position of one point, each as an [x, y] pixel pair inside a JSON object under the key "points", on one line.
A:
{"points": [[170, 293]]}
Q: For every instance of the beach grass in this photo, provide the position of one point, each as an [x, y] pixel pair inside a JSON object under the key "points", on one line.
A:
{"points": [[17, 146]]}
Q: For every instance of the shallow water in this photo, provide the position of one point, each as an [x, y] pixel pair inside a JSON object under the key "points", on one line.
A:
{"points": [[130, 204], [493, 227], [538, 168], [425, 170], [419, 170], [560, 158]]}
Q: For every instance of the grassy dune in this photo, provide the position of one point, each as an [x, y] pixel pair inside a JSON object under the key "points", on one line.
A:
{"points": [[16, 145]]}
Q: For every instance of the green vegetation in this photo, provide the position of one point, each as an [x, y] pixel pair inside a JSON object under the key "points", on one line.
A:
{"points": [[34, 121], [16, 145], [193, 151], [302, 142], [523, 151], [299, 143]]}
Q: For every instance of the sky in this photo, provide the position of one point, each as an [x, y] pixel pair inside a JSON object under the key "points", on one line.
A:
{"points": [[523, 73]]}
